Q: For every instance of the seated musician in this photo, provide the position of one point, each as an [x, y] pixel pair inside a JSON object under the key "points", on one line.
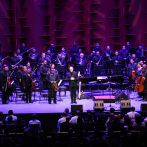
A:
{"points": [[117, 59], [93, 54], [34, 60], [97, 48], [125, 56], [78, 54], [64, 54], [134, 58], [140, 53], [41, 59], [81, 61], [107, 55], [128, 47]]}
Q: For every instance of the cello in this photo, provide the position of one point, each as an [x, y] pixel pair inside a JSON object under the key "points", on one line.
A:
{"points": [[139, 87]]}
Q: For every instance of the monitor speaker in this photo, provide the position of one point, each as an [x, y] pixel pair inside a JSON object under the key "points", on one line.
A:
{"points": [[98, 104], [125, 104], [120, 96], [76, 107]]}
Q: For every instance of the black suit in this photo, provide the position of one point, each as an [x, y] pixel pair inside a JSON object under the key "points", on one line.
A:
{"points": [[117, 58], [97, 49], [51, 91], [43, 73], [25, 55], [73, 51], [41, 60], [72, 84], [124, 54], [54, 52]]}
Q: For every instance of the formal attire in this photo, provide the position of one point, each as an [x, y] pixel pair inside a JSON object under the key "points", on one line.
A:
{"points": [[107, 55], [51, 92], [117, 58], [72, 84], [49, 59], [25, 55], [53, 52], [28, 78], [43, 73], [34, 57], [97, 49], [65, 55], [73, 52], [140, 54], [128, 47], [41, 60], [125, 57]]}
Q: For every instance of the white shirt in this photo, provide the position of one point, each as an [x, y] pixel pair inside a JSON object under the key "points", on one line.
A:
{"points": [[132, 114], [145, 120], [61, 120], [14, 118], [34, 121], [74, 119]]}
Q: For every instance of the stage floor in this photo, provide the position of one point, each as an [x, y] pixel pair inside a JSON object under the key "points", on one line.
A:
{"points": [[44, 107]]}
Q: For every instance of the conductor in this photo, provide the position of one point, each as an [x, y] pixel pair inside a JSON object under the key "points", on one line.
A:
{"points": [[72, 76]]}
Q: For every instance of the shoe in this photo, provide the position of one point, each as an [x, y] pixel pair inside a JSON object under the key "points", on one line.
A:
{"points": [[71, 102], [49, 102], [31, 102], [55, 103], [26, 102], [75, 102]]}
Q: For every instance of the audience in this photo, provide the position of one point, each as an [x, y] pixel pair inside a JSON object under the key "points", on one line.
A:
{"points": [[123, 131], [132, 113], [14, 118]]}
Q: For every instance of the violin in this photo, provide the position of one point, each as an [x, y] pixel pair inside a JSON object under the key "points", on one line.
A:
{"points": [[133, 75], [9, 83], [56, 88], [139, 87]]}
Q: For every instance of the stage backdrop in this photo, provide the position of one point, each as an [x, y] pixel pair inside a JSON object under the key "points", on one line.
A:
{"points": [[39, 23]]}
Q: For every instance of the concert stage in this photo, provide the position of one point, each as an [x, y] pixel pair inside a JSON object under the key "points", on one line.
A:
{"points": [[43, 107]]}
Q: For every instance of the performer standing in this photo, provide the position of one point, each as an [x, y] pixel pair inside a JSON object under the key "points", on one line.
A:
{"points": [[25, 55], [28, 79], [34, 60], [72, 76], [4, 77], [43, 73], [52, 80]]}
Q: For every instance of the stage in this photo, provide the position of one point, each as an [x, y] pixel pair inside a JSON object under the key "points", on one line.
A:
{"points": [[43, 107]]}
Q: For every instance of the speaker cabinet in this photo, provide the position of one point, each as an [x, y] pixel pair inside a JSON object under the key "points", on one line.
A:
{"points": [[143, 107], [125, 104], [98, 104], [76, 107]]}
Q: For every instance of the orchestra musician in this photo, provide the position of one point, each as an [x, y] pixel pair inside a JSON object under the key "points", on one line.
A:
{"points": [[53, 66], [34, 60], [125, 56], [42, 59], [64, 54], [73, 52], [25, 55], [19, 55], [43, 73], [97, 48], [4, 83], [48, 57], [140, 53], [28, 65], [53, 51], [117, 59], [28, 79], [78, 54], [128, 47], [134, 58], [93, 54], [107, 55], [72, 76], [52, 79]]}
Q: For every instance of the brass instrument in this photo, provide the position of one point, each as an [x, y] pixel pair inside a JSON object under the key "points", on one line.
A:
{"points": [[107, 55], [16, 65]]}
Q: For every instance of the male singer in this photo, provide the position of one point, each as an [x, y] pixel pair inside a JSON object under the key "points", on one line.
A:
{"points": [[52, 79], [72, 76]]}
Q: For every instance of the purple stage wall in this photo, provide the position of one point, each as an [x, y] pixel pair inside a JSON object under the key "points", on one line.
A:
{"points": [[39, 23]]}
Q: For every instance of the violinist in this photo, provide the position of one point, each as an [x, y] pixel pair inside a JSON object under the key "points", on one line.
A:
{"points": [[28, 79], [52, 79]]}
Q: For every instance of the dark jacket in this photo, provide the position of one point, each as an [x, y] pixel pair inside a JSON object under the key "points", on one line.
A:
{"points": [[72, 83], [84, 62], [109, 52], [43, 72], [117, 58], [49, 80], [27, 80]]}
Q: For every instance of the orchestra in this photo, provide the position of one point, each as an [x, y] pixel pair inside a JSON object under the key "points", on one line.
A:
{"points": [[25, 63]]}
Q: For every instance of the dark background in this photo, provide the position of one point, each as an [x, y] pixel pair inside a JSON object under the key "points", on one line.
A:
{"points": [[39, 23]]}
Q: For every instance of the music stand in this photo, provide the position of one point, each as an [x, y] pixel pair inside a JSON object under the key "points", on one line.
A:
{"points": [[97, 69], [81, 68], [133, 50], [117, 69]]}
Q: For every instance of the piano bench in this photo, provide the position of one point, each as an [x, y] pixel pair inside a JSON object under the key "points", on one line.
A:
{"points": [[62, 88]]}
